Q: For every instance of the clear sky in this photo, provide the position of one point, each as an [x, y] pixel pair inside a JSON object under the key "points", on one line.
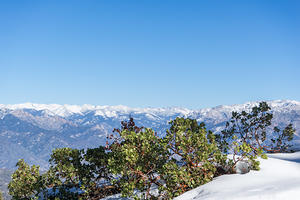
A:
{"points": [[156, 53]]}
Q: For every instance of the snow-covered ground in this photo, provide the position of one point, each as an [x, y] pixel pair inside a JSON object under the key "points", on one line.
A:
{"points": [[278, 179]]}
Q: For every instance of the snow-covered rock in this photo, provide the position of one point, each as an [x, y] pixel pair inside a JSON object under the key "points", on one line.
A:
{"points": [[242, 167]]}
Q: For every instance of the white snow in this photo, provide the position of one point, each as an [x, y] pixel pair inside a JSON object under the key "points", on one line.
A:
{"points": [[105, 111], [112, 111], [278, 179]]}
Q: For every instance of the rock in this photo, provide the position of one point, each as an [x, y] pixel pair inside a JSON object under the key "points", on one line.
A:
{"points": [[242, 167]]}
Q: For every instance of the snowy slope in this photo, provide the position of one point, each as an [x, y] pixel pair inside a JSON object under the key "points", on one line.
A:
{"points": [[278, 179]]}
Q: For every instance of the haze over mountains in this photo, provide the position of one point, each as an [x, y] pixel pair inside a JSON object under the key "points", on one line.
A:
{"points": [[32, 131]]}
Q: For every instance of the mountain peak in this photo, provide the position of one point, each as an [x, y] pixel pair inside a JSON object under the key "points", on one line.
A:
{"points": [[67, 109]]}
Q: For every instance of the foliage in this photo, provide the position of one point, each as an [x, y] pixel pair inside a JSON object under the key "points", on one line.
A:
{"points": [[73, 174], [1, 196], [144, 161], [26, 182], [137, 158], [66, 174], [197, 156], [79, 174], [246, 134]]}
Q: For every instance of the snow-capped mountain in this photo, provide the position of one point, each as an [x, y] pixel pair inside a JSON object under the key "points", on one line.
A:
{"points": [[32, 131]]}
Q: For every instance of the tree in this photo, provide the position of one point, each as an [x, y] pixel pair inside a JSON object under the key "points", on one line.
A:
{"points": [[143, 161], [26, 183], [197, 156], [73, 174], [137, 159], [66, 174], [80, 174], [101, 181], [246, 136]]}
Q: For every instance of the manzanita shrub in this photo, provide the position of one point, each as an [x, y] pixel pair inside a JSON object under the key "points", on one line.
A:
{"points": [[138, 156], [246, 136], [80, 174], [187, 157], [26, 183], [194, 156], [66, 174], [73, 174]]}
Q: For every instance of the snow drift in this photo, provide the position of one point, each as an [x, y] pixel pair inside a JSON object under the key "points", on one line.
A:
{"points": [[278, 179]]}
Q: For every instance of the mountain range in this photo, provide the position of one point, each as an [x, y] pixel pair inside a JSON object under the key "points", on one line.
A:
{"points": [[32, 131]]}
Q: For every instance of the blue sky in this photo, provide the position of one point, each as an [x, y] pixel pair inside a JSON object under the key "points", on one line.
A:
{"points": [[141, 53]]}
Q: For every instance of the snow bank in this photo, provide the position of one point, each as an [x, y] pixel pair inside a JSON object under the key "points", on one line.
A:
{"points": [[278, 179]]}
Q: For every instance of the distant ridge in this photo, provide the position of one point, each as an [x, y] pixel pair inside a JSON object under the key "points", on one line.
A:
{"points": [[67, 109], [32, 131]]}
